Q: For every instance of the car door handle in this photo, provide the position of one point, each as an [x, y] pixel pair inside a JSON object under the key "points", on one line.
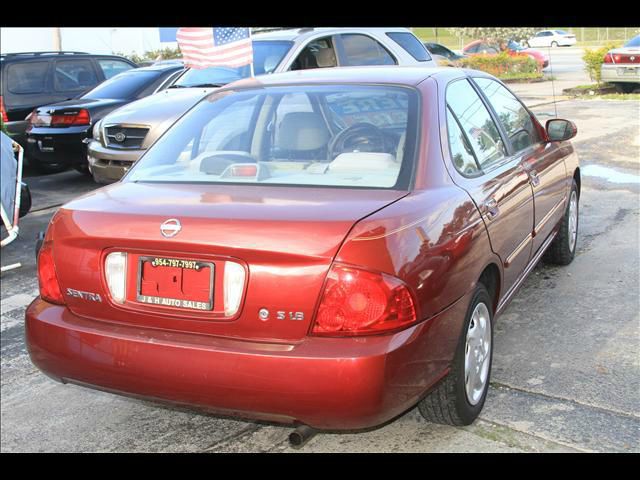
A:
{"points": [[533, 178], [491, 209]]}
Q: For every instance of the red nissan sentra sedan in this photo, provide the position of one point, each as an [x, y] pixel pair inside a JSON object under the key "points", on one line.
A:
{"points": [[326, 247]]}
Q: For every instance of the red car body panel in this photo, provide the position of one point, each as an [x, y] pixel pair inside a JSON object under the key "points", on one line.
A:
{"points": [[538, 56], [435, 237]]}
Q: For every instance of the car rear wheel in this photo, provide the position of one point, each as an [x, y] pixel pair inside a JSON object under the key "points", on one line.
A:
{"points": [[554, 44], [459, 398], [563, 248], [626, 87]]}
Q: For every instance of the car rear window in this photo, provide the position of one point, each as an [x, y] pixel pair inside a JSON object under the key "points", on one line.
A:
{"points": [[634, 42], [411, 44], [334, 136], [27, 77], [124, 85]]}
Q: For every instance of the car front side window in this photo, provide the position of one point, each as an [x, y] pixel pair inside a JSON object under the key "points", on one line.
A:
{"points": [[513, 116], [476, 121]]}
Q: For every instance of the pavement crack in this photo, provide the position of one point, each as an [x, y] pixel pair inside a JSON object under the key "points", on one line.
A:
{"points": [[235, 436], [564, 399]]}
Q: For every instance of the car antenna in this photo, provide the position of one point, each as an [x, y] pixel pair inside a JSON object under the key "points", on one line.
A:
{"points": [[553, 85]]}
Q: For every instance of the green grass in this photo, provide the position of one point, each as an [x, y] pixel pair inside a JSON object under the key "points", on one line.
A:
{"points": [[520, 76]]}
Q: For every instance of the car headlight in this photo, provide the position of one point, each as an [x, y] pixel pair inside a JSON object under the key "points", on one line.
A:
{"points": [[97, 131]]}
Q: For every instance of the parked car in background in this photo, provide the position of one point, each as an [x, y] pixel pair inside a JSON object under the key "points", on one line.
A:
{"points": [[621, 66], [274, 51], [29, 80], [56, 132], [442, 54], [512, 48], [551, 38], [328, 248]]}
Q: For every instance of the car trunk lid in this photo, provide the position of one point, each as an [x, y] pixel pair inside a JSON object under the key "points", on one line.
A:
{"points": [[284, 238]]}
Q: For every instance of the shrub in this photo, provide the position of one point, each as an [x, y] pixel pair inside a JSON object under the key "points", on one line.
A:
{"points": [[153, 55], [504, 65], [593, 60]]}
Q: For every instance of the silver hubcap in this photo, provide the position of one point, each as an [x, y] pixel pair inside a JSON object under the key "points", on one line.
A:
{"points": [[477, 355], [573, 220]]}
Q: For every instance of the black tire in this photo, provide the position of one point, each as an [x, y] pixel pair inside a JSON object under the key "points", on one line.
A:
{"points": [[625, 87], [83, 168], [561, 251], [447, 404], [554, 44], [48, 168]]}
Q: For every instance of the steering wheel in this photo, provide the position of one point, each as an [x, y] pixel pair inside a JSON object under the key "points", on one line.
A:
{"points": [[363, 137]]}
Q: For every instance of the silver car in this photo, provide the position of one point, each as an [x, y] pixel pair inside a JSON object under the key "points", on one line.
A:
{"points": [[123, 136], [621, 66]]}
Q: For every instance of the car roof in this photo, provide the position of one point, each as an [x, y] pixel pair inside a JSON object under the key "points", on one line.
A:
{"points": [[61, 54], [303, 33], [380, 74]]}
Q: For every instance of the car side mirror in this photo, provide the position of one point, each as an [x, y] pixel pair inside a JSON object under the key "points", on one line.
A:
{"points": [[559, 130]]}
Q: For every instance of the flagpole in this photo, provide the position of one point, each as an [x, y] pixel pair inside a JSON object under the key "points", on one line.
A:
{"points": [[251, 64]]}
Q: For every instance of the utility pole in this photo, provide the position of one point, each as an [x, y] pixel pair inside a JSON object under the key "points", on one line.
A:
{"points": [[57, 39]]}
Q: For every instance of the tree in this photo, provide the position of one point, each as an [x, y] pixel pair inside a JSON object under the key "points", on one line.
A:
{"points": [[499, 35]]}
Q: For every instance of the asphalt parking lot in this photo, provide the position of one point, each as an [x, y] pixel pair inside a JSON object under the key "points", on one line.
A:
{"points": [[566, 371]]}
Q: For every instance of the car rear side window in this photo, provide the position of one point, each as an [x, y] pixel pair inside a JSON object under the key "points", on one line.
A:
{"points": [[462, 154], [27, 77], [411, 44], [476, 121], [74, 75], [363, 50], [126, 85], [111, 68], [515, 119]]}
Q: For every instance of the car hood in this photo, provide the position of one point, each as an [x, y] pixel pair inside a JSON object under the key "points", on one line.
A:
{"points": [[157, 112]]}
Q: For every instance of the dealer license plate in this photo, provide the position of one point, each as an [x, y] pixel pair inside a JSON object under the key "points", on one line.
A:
{"points": [[175, 282]]}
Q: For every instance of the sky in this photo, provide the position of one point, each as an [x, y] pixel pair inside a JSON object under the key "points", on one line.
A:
{"points": [[101, 40]]}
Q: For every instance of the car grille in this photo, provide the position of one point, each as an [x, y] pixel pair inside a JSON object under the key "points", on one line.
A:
{"points": [[125, 137]]}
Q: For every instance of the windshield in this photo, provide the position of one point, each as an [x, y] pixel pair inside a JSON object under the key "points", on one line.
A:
{"points": [[124, 85], [634, 42], [347, 136], [266, 57]]}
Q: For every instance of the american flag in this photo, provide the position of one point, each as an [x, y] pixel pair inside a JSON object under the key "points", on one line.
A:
{"points": [[215, 47]]}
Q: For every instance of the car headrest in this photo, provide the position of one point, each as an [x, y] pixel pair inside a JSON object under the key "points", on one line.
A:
{"points": [[326, 57], [362, 162], [302, 131]]}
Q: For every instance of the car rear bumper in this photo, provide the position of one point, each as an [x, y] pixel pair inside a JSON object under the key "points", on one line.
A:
{"points": [[327, 383], [56, 147], [109, 165], [620, 73]]}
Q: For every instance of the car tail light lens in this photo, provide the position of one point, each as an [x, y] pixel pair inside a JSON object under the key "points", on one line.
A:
{"points": [[360, 302], [115, 271], [608, 58], [234, 276], [47, 278], [67, 119], [3, 112]]}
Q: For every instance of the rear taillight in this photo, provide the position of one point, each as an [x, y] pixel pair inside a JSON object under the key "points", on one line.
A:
{"points": [[47, 279], [360, 302], [115, 272], [3, 112], [608, 58], [67, 119], [234, 276]]}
